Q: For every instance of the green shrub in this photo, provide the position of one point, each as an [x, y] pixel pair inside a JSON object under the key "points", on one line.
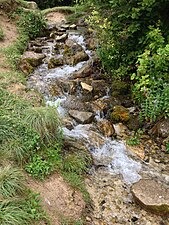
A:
{"points": [[31, 23]]}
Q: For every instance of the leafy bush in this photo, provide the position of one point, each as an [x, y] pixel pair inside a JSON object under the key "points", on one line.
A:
{"points": [[133, 43], [31, 23]]}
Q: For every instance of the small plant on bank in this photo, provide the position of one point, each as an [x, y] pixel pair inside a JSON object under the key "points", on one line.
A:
{"points": [[44, 163], [1, 34], [135, 140], [167, 147]]}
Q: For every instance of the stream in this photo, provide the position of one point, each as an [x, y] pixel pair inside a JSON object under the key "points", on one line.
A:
{"points": [[115, 168]]}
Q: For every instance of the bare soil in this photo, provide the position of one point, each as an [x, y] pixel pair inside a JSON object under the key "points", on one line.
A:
{"points": [[59, 199]]}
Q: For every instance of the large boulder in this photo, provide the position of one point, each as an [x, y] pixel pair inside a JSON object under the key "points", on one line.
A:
{"points": [[30, 60], [151, 195], [81, 117]]}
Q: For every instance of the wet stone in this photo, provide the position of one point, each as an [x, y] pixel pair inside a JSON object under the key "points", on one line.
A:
{"points": [[81, 117], [151, 195]]}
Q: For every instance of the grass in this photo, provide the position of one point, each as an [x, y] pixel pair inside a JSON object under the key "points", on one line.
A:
{"points": [[45, 121], [11, 182]]}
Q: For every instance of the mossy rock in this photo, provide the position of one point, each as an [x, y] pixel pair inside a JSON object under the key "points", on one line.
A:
{"points": [[120, 114], [54, 62], [120, 88]]}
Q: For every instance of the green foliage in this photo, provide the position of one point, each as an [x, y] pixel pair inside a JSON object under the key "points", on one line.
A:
{"points": [[133, 43], [44, 163], [45, 121], [133, 141], [11, 182], [167, 147], [32, 205], [76, 163], [32, 24]]}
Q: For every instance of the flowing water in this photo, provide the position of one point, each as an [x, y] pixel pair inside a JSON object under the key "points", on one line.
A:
{"points": [[115, 167]]}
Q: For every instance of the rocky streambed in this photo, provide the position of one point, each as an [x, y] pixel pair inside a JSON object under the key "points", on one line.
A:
{"points": [[124, 189]]}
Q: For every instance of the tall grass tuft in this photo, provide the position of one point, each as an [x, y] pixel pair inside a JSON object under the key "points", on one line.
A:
{"points": [[45, 121], [11, 182], [11, 213]]}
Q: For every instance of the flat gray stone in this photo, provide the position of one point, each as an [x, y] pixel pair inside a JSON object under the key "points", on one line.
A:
{"points": [[151, 195], [81, 117]]}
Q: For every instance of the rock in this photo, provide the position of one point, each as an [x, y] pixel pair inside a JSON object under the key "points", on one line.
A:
{"points": [[65, 26], [72, 47], [32, 5], [34, 59], [81, 117], [61, 38], [120, 88], [91, 45], [151, 195], [100, 87], [55, 62], [25, 67], [120, 129], [78, 57], [120, 114], [86, 87], [106, 128], [67, 122], [161, 128], [73, 26], [72, 103], [101, 104], [85, 71]]}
